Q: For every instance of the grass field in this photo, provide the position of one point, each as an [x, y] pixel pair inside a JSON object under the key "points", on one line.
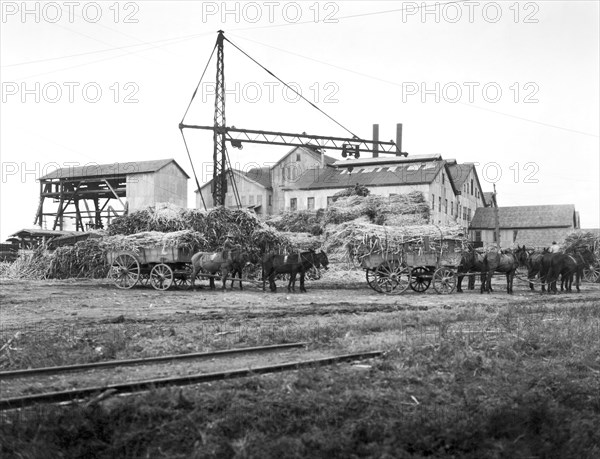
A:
{"points": [[463, 375]]}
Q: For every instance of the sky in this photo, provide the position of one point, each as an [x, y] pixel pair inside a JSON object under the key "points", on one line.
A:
{"points": [[511, 86]]}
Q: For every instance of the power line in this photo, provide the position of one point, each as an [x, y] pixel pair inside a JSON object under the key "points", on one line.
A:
{"points": [[541, 123]]}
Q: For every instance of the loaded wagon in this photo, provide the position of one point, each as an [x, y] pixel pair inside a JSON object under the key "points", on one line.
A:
{"points": [[415, 264], [159, 265]]}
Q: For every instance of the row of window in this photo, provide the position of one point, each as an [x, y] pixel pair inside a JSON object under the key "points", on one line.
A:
{"points": [[248, 200], [466, 212], [310, 203]]}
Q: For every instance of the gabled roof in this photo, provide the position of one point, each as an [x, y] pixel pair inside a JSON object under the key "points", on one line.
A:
{"points": [[550, 216], [261, 175], [375, 175], [107, 170], [460, 173], [489, 197], [311, 151], [256, 176]]}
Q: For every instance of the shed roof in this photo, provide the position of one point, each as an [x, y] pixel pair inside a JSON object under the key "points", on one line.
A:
{"points": [[381, 160], [105, 170], [38, 232], [373, 175], [460, 173], [549, 216]]}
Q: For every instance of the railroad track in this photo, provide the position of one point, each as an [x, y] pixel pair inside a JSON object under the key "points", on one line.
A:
{"points": [[99, 392]]}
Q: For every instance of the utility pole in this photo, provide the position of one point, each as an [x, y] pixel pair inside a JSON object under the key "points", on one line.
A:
{"points": [[219, 183], [496, 220]]}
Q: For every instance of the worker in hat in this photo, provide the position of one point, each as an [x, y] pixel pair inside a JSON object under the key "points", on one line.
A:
{"points": [[554, 248]]}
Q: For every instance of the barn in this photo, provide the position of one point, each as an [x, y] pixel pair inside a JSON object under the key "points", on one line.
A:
{"points": [[533, 226], [87, 197]]}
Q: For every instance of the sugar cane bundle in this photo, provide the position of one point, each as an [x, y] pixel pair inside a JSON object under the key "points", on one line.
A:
{"points": [[303, 241], [578, 240], [34, 266], [302, 221]]}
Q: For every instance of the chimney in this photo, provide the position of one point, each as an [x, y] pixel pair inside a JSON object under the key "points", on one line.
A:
{"points": [[399, 139], [375, 140]]}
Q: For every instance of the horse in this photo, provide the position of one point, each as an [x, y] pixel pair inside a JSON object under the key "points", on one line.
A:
{"points": [[470, 261], [532, 260], [292, 264], [224, 262], [568, 266], [501, 262]]}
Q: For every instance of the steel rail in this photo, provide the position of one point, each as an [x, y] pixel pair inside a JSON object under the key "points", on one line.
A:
{"points": [[120, 363], [140, 386]]}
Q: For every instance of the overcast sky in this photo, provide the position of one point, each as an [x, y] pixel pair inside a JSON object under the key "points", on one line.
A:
{"points": [[512, 86]]}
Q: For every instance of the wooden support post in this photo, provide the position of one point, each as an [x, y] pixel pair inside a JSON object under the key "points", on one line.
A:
{"points": [[78, 220]]}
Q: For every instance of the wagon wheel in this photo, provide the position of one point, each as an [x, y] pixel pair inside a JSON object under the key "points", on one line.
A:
{"points": [[417, 282], [392, 278], [444, 280], [183, 282], [161, 277], [372, 280], [125, 271], [592, 274]]}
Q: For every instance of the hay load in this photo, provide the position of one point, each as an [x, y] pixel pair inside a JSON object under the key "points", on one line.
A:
{"points": [[357, 240], [401, 209]]}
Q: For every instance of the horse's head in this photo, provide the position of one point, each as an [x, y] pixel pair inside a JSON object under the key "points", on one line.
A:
{"points": [[522, 255], [323, 260]]}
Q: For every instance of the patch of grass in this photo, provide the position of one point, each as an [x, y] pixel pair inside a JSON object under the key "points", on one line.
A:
{"points": [[531, 390]]}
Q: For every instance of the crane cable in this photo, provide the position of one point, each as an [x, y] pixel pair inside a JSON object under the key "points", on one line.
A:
{"points": [[183, 118], [289, 87]]}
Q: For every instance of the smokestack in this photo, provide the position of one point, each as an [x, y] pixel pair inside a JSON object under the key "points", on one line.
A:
{"points": [[399, 139], [375, 140]]}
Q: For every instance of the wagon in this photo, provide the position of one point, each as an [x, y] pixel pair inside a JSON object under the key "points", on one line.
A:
{"points": [[415, 266], [160, 266]]}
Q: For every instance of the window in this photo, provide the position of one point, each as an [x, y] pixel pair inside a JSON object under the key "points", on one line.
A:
{"points": [[446, 206], [464, 213], [329, 200], [259, 199], [469, 214], [297, 156], [439, 204], [310, 203], [293, 204], [251, 200], [495, 238], [471, 187], [452, 208], [443, 178], [270, 199], [433, 202], [477, 236], [515, 233]]}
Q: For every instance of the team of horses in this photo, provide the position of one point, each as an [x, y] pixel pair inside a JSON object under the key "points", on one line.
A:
{"points": [[546, 266], [232, 262]]}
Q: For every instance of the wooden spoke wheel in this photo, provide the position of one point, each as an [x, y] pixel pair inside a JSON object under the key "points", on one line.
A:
{"points": [[392, 278], [125, 271], [420, 279], [372, 280], [444, 280], [161, 277], [592, 274], [183, 282]]}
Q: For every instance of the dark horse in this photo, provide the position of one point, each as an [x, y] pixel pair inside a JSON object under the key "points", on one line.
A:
{"points": [[470, 261], [533, 261], [495, 261], [568, 266], [292, 264], [223, 262]]}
